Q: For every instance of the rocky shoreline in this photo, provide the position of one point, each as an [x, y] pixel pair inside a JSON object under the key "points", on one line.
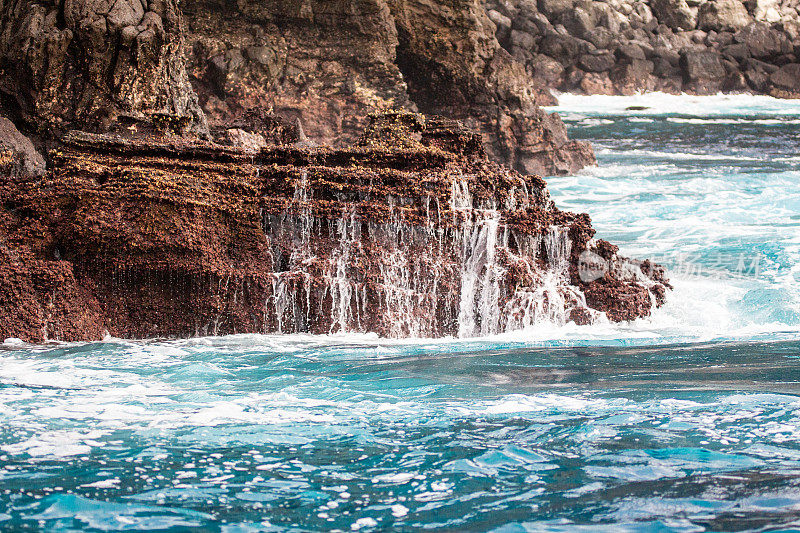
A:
{"points": [[674, 46], [413, 232], [208, 168]]}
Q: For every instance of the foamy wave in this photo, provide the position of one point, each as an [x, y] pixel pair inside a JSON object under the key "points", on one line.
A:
{"points": [[759, 121], [680, 156], [665, 104]]}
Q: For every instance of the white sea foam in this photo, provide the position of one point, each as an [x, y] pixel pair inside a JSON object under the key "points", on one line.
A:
{"points": [[682, 156], [665, 104], [711, 121]]}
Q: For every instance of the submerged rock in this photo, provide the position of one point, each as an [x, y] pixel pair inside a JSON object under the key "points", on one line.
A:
{"points": [[414, 232]]}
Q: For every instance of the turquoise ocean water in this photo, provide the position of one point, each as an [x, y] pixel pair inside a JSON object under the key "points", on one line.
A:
{"points": [[686, 421]]}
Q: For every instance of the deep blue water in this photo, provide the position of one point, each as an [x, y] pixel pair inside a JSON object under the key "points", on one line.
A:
{"points": [[686, 421]]}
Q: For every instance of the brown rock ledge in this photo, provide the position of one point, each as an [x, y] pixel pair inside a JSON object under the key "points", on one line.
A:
{"points": [[412, 232]]}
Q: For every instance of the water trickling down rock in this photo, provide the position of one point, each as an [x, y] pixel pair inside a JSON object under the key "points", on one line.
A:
{"points": [[419, 236]]}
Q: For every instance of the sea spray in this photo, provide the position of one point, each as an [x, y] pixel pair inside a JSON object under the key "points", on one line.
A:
{"points": [[430, 277]]}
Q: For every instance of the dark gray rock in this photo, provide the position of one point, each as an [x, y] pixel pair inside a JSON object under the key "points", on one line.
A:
{"points": [[730, 67], [738, 51], [757, 80], [600, 37], [264, 56], [564, 49], [735, 82], [755, 64], [579, 22], [762, 41], [662, 68], [525, 41], [786, 81], [553, 8], [711, 38], [724, 38], [629, 52], [597, 62], [702, 65], [674, 13], [669, 54], [633, 77], [573, 78], [721, 15], [548, 70]]}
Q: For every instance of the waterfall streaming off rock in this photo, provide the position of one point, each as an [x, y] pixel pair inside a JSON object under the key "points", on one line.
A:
{"points": [[474, 277], [423, 236]]}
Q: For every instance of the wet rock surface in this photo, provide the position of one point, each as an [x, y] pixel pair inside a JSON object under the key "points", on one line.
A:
{"points": [[631, 46], [413, 231]]}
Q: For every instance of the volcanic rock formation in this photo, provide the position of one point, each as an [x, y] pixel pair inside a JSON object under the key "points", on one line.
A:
{"points": [[189, 188], [412, 232], [327, 64], [629, 46], [80, 63], [323, 65]]}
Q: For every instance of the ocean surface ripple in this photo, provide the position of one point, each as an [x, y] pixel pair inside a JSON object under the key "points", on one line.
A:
{"points": [[686, 421]]}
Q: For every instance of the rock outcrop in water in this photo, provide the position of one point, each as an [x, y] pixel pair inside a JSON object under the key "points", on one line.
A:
{"points": [[630, 46], [414, 231], [165, 172]]}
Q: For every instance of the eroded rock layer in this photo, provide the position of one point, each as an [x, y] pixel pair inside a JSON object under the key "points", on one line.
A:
{"points": [[412, 232]]}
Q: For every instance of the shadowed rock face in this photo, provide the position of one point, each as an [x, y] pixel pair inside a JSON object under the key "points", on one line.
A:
{"points": [[631, 46], [327, 64], [81, 63], [412, 232], [324, 64]]}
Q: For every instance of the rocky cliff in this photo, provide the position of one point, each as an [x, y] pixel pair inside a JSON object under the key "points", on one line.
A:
{"points": [[323, 66], [629, 46], [218, 168], [414, 231], [326, 64]]}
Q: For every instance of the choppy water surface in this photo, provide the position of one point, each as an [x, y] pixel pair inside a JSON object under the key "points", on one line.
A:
{"points": [[687, 421], [710, 187]]}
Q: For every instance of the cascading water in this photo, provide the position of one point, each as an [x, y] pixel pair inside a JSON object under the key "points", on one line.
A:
{"points": [[430, 278], [480, 289]]}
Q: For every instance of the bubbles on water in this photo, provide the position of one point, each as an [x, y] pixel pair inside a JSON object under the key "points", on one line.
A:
{"points": [[705, 187], [316, 433]]}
